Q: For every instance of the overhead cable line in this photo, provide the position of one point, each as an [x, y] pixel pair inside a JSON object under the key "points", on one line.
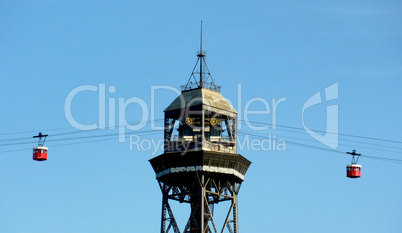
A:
{"points": [[81, 142], [69, 132], [313, 140], [329, 150], [321, 131]]}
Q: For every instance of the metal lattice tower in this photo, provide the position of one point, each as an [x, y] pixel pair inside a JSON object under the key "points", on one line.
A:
{"points": [[200, 165]]}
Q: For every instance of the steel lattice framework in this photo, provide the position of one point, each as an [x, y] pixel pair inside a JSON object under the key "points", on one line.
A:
{"points": [[201, 179], [202, 197]]}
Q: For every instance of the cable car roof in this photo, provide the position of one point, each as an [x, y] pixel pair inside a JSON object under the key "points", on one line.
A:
{"points": [[353, 165]]}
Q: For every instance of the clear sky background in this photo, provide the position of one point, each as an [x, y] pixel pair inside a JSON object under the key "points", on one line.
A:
{"points": [[260, 49]]}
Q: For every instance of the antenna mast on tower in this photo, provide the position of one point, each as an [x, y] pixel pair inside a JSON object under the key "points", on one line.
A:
{"points": [[205, 79], [201, 55]]}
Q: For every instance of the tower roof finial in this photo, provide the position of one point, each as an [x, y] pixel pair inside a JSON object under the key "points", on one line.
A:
{"points": [[201, 40], [205, 79], [201, 53]]}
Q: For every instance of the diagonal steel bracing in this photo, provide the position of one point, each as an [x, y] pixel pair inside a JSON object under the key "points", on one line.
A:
{"points": [[202, 194]]}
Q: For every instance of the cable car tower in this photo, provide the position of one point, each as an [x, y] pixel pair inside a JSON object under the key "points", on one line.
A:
{"points": [[200, 165]]}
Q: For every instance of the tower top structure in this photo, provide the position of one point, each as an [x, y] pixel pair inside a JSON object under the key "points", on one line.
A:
{"points": [[200, 165], [205, 79]]}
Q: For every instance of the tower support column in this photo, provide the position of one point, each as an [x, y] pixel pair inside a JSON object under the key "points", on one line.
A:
{"points": [[166, 210]]}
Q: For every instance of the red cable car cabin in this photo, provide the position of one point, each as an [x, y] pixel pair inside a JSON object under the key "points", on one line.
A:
{"points": [[353, 170], [40, 153]]}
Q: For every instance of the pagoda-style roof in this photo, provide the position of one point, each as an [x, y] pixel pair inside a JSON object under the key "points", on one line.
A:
{"points": [[201, 96]]}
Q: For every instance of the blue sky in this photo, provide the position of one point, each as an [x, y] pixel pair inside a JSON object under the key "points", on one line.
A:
{"points": [[261, 49]]}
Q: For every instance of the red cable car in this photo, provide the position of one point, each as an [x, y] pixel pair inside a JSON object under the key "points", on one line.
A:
{"points": [[353, 170], [40, 152]]}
